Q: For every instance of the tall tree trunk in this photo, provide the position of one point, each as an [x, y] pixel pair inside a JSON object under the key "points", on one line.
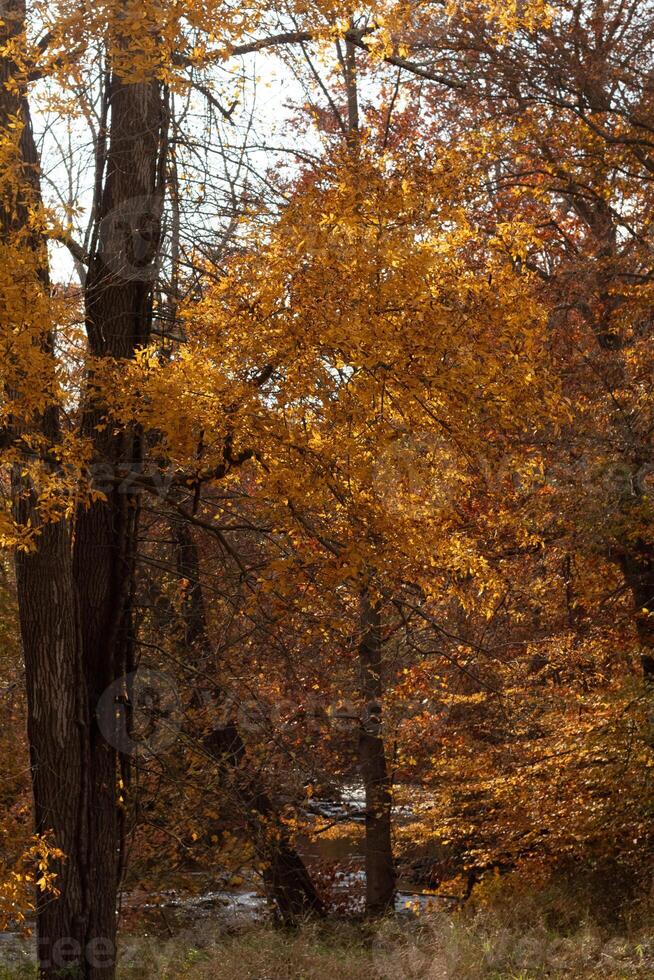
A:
{"points": [[56, 699], [287, 880], [119, 285], [57, 725], [380, 867]]}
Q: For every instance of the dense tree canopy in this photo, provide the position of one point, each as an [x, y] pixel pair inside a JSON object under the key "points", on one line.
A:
{"points": [[325, 449]]}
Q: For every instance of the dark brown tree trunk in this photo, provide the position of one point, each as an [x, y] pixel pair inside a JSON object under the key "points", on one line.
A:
{"points": [[56, 700], [119, 285], [288, 882], [380, 866], [57, 725]]}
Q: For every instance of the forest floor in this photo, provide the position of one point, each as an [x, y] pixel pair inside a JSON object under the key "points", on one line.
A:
{"points": [[507, 932], [433, 950]]}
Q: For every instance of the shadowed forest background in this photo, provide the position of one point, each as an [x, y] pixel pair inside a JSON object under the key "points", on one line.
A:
{"points": [[327, 479]]}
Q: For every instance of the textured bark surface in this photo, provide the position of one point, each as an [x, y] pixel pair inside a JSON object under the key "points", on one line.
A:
{"points": [[56, 701], [119, 284], [74, 601], [380, 866], [56, 731]]}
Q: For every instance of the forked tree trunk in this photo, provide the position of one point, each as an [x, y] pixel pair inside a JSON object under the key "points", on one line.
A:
{"points": [[380, 866], [74, 612]]}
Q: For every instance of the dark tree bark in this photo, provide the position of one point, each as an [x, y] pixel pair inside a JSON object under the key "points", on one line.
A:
{"points": [[380, 866], [74, 601], [56, 701], [57, 722], [118, 293]]}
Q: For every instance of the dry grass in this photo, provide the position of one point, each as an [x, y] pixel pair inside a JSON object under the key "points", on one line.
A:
{"points": [[512, 930], [258, 953], [509, 933], [481, 947]]}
